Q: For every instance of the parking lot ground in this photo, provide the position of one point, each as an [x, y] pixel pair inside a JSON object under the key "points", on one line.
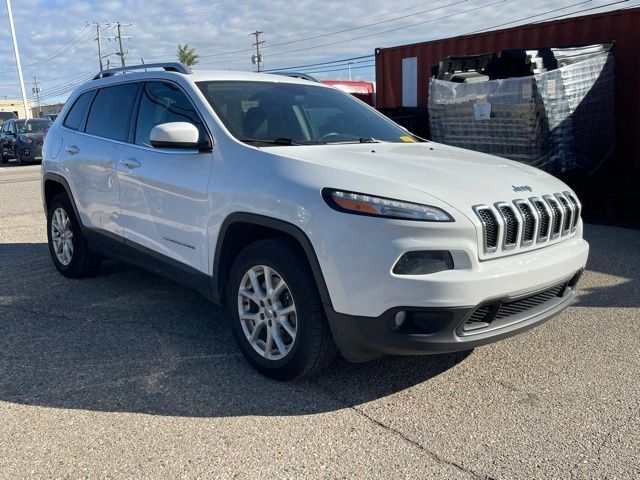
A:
{"points": [[128, 374]]}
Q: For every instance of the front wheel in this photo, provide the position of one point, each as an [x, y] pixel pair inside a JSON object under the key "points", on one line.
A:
{"points": [[277, 316]]}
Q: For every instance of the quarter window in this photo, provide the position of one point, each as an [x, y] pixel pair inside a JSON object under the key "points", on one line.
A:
{"points": [[163, 103], [111, 111], [77, 111]]}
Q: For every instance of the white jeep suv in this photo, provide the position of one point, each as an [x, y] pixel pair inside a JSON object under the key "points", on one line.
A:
{"points": [[317, 221]]}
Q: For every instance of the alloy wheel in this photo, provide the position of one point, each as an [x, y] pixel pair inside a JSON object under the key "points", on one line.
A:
{"points": [[267, 312], [62, 236]]}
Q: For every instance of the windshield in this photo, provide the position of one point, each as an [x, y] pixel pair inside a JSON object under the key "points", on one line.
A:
{"points": [[295, 114], [33, 126]]}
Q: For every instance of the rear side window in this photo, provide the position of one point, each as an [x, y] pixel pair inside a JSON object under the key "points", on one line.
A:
{"points": [[111, 111], [76, 113], [163, 103]]}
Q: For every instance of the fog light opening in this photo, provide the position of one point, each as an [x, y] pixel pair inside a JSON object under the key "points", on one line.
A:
{"points": [[423, 262], [399, 319]]}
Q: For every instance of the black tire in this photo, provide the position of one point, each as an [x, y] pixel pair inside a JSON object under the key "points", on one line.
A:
{"points": [[84, 262], [313, 348], [18, 156]]}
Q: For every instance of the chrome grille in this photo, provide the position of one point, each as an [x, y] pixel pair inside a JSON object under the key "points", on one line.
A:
{"points": [[556, 216], [568, 213], [576, 210], [525, 223], [543, 213], [510, 226], [490, 228], [529, 223]]}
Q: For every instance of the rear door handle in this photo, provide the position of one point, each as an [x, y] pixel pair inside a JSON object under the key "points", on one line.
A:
{"points": [[130, 163], [72, 149]]}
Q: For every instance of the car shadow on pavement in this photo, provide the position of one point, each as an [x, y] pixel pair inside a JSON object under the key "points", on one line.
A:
{"points": [[614, 263], [130, 341]]}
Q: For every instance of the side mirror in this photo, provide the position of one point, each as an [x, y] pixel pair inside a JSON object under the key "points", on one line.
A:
{"points": [[177, 135]]}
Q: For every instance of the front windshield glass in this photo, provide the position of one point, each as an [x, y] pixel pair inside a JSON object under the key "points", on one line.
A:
{"points": [[33, 126], [292, 114]]}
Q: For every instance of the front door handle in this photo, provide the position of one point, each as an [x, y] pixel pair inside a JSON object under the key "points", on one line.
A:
{"points": [[72, 149], [130, 163]]}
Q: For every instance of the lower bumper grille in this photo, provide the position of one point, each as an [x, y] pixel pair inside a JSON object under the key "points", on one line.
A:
{"points": [[497, 314]]}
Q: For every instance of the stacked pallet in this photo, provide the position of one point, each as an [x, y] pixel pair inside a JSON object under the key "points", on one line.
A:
{"points": [[560, 117]]}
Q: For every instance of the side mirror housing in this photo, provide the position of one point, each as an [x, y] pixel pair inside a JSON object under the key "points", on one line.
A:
{"points": [[181, 135]]}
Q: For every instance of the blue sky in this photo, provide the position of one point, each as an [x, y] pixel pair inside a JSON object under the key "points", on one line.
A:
{"points": [[58, 47]]}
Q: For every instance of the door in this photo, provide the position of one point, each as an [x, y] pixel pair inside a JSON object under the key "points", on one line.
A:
{"points": [[91, 157], [164, 192], [3, 132], [9, 136]]}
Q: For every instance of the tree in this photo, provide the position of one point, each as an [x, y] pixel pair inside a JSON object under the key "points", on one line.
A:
{"points": [[187, 55]]}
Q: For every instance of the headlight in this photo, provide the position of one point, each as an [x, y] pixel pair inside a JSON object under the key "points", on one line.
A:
{"points": [[362, 204], [25, 139]]}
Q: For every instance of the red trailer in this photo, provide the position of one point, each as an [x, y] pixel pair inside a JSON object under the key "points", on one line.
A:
{"points": [[365, 91]]}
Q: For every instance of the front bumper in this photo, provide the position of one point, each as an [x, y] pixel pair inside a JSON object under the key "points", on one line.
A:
{"points": [[31, 152], [444, 330], [357, 255]]}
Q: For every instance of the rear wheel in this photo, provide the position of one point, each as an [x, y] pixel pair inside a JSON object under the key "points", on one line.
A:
{"points": [[16, 153], [277, 316], [67, 245]]}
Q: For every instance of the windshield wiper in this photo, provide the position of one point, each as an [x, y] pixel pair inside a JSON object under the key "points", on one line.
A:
{"points": [[355, 140], [275, 141]]}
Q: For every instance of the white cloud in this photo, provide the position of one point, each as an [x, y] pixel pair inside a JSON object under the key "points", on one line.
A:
{"points": [[56, 45]]}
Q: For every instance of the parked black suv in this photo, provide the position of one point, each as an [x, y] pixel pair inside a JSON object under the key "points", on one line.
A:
{"points": [[23, 139]]}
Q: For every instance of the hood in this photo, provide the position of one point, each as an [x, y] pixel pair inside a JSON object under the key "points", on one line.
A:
{"points": [[459, 177], [38, 136]]}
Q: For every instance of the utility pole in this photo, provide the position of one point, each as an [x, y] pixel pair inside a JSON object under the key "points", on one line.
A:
{"points": [[36, 90], [99, 40], [349, 68], [121, 53], [257, 59], [27, 114]]}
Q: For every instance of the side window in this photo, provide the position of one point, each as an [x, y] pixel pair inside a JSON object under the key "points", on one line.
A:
{"points": [[163, 103], [111, 111], [77, 111]]}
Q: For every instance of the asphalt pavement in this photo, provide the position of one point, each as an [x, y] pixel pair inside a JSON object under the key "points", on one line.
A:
{"points": [[129, 375]]}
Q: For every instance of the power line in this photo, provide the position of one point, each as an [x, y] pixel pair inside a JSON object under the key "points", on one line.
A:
{"points": [[321, 63], [201, 9], [390, 30], [342, 69], [532, 16], [67, 47], [344, 30], [583, 10]]}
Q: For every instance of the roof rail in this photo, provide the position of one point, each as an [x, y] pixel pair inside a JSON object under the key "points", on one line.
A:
{"points": [[169, 67], [303, 76]]}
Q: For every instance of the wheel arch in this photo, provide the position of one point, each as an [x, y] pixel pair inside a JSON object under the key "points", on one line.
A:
{"points": [[52, 185], [241, 229]]}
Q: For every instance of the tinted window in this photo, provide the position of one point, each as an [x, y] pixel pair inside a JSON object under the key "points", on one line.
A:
{"points": [[76, 114], [163, 103], [33, 126], [301, 113], [111, 111]]}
